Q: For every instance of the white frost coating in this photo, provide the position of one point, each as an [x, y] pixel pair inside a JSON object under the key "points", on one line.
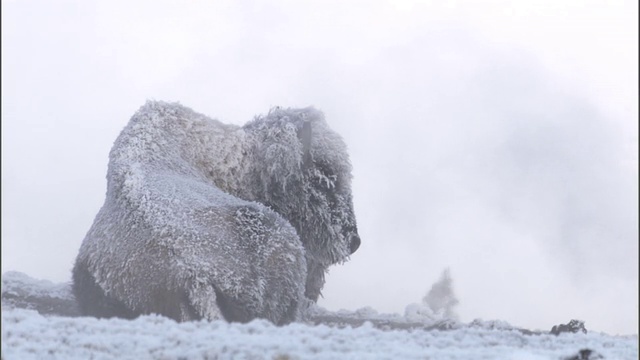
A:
{"points": [[27, 335], [203, 219], [341, 335]]}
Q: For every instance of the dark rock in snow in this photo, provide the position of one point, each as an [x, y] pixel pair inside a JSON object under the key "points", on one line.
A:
{"points": [[585, 354], [573, 326]]}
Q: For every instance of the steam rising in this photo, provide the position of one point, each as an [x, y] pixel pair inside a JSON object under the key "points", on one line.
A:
{"points": [[441, 299], [438, 304]]}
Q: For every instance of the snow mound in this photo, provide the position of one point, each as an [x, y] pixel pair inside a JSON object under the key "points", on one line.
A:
{"points": [[361, 334], [29, 335], [21, 291]]}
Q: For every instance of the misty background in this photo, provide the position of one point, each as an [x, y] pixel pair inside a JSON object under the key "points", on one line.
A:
{"points": [[498, 138]]}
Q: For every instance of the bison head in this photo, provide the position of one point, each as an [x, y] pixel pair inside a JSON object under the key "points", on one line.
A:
{"points": [[303, 172]]}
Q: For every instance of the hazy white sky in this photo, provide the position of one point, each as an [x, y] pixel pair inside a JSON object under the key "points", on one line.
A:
{"points": [[497, 138]]}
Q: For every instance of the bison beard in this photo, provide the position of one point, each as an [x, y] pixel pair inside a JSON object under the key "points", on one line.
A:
{"points": [[208, 220]]}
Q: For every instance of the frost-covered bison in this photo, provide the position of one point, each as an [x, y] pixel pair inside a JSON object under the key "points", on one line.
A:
{"points": [[203, 219]]}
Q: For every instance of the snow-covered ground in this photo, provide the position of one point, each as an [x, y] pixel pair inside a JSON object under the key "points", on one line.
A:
{"points": [[56, 332]]}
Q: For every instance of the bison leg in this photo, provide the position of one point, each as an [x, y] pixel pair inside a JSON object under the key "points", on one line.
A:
{"points": [[91, 298], [315, 280]]}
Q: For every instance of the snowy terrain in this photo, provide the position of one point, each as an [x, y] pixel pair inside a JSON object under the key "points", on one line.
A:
{"points": [[39, 321]]}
